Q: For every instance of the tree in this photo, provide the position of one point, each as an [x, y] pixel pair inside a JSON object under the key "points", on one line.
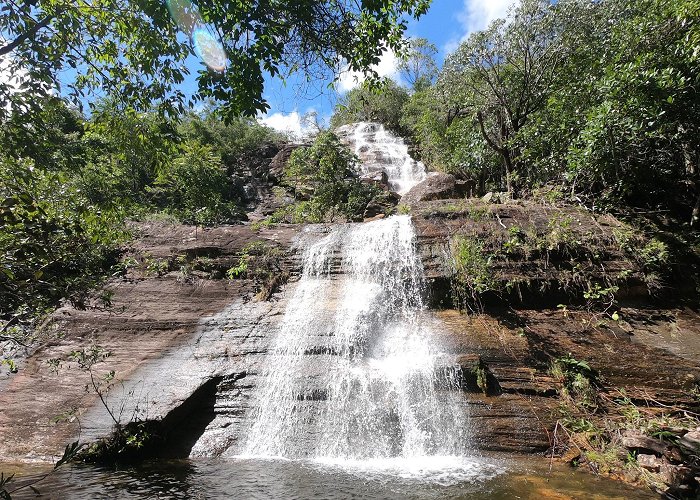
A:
{"points": [[324, 181], [418, 66], [502, 75], [132, 48], [370, 103]]}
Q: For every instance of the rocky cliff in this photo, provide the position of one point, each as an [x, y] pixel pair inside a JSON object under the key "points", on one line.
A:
{"points": [[179, 337]]}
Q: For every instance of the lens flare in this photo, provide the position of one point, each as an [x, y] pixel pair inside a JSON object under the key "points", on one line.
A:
{"points": [[185, 14], [187, 17], [209, 49]]}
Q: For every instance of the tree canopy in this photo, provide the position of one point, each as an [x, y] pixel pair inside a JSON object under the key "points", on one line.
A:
{"points": [[137, 48]]}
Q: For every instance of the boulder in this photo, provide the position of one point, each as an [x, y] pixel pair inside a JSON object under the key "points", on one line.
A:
{"points": [[377, 177], [675, 476], [637, 441], [496, 197], [649, 462], [381, 204], [279, 161], [690, 442], [437, 186]]}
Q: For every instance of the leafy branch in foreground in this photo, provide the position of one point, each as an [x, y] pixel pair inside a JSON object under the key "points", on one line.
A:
{"points": [[6, 490]]}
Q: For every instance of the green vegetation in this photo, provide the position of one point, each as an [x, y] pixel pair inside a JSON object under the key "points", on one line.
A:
{"points": [[558, 103], [260, 262], [472, 271], [66, 190], [138, 48], [603, 429], [324, 183], [371, 103]]}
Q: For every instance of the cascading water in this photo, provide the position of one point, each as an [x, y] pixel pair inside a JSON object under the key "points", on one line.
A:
{"points": [[380, 150], [355, 372]]}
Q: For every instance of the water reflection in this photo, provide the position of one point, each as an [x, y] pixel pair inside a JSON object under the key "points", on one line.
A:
{"points": [[291, 480]]}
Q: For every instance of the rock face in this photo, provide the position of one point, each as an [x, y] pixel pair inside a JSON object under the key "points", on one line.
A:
{"points": [[437, 186], [187, 345], [155, 325], [381, 204]]}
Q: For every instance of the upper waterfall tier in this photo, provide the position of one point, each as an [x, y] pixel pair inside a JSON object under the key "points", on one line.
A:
{"points": [[380, 150]]}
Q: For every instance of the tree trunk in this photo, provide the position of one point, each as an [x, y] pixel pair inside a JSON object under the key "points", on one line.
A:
{"points": [[509, 172]]}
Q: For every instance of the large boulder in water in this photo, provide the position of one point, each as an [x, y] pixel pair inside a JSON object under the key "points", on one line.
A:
{"points": [[437, 186]]}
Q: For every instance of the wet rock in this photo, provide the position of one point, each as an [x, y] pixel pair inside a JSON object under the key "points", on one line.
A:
{"points": [[379, 150], [437, 186], [379, 178], [649, 462], [476, 376], [690, 442], [165, 337], [279, 161], [381, 204]]}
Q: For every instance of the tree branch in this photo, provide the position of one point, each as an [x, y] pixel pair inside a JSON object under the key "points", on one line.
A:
{"points": [[27, 34]]}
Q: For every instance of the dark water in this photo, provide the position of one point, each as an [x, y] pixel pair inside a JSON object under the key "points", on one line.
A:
{"points": [[280, 479]]}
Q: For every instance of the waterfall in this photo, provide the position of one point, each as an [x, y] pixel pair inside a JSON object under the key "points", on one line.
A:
{"points": [[380, 150], [356, 373], [356, 370]]}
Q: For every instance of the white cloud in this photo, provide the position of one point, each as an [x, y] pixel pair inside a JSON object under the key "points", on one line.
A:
{"points": [[387, 67], [477, 15], [292, 124]]}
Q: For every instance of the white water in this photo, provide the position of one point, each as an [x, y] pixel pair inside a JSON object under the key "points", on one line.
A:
{"points": [[356, 377], [382, 150], [356, 373]]}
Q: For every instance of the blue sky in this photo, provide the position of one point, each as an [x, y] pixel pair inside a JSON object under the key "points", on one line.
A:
{"points": [[446, 24]]}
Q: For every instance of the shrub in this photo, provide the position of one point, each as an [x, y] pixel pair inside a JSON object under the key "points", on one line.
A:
{"points": [[325, 184], [195, 188]]}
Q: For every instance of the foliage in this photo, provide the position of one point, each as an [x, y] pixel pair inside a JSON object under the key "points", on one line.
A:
{"points": [[262, 263], [417, 66], [133, 48], [579, 381], [193, 186], [556, 95], [124, 151], [371, 103], [472, 270], [503, 75], [53, 243], [237, 142], [324, 181]]}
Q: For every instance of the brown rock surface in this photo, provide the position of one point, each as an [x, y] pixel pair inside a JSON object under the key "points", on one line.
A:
{"points": [[437, 186], [175, 335], [150, 317]]}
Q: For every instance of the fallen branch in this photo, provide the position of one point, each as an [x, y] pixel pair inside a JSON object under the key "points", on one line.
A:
{"points": [[4, 338]]}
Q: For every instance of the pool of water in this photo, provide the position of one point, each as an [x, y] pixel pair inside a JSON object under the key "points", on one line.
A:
{"points": [[250, 478]]}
